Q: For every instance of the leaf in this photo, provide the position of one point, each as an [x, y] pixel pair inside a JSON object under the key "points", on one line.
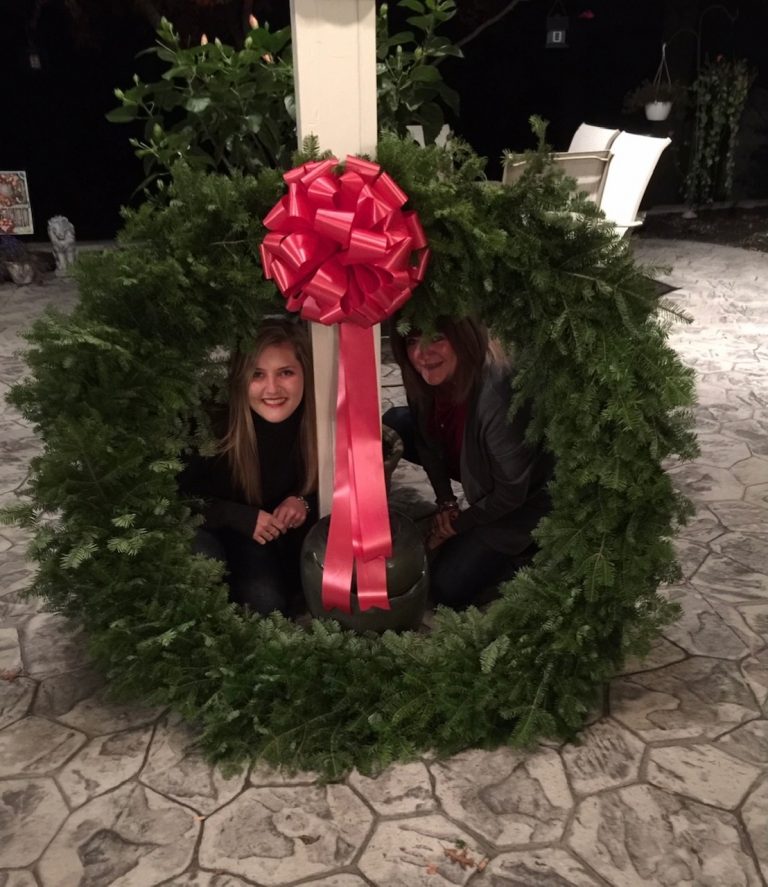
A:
{"points": [[254, 122], [124, 114], [400, 38], [600, 574], [424, 22], [78, 555], [425, 74], [197, 104], [493, 652], [124, 520], [160, 466], [414, 5]]}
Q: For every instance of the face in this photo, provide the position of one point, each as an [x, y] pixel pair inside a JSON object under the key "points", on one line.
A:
{"points": [[433, 358], [277, 385]]}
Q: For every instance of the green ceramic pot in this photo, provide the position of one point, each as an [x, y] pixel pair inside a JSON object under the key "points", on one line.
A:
{"points": [[407, 579]]}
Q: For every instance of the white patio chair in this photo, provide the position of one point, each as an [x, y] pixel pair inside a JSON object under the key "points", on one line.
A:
{"points": [[592, 138], [588, 168], [632, 165], [417, 134]]}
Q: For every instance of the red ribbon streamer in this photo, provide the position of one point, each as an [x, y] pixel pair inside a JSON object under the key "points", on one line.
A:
{"points": [[340, 250]]}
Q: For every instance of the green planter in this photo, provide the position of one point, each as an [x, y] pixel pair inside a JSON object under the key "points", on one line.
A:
{"points": [[407, 580]]}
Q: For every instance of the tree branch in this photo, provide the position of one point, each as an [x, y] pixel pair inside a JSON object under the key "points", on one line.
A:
{"points": [[150, 12], [491, 21]]}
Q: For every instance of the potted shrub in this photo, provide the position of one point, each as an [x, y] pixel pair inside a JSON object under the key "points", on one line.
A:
{"points": [[16, 260], [656, 96]]}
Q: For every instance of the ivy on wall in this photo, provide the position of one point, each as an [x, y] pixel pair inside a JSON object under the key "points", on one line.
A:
{"points": [[720, 94], [112, 385]]}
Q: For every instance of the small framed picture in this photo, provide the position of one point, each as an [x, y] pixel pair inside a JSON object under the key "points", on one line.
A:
{"points": [[15, 207]]}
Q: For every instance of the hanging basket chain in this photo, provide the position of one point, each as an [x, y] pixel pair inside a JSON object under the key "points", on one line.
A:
{"points": [[662, 76]]}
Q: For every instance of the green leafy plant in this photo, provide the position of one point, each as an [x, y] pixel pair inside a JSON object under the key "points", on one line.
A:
{"points": [[661, 89], [223, 109], [411, 89], [215, 107], [720, 93], [649, 91], [111, 388]]}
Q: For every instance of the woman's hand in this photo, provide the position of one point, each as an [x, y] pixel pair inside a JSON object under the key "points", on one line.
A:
{"points": [[442, 527], [268, 527], [292, 512]]}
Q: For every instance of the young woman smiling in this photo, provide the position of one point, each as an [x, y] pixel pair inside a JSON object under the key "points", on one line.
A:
{"points": [[258, 489], [456, 425]]}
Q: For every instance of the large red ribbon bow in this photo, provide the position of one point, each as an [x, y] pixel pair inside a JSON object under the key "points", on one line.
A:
{"points": [[340, 250]]}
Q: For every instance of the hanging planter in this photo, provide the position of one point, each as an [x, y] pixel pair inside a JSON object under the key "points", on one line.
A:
{"points": [[657, 110], [656, 97]]}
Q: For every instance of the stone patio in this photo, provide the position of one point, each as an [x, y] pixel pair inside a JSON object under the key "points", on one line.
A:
{"points": [[669, 787]]}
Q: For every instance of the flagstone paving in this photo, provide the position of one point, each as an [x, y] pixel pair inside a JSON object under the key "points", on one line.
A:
{"points": [[668, 787]]}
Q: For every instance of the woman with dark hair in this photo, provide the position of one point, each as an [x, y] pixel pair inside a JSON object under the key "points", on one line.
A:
{"points": [[457, 426], [259, 487]]}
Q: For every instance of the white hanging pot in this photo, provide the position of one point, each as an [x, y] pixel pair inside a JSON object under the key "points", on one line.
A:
{"points": [[657, 110]]}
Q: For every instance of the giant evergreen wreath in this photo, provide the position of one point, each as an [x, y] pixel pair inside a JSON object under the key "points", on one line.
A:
{"points": [[112, 386]]}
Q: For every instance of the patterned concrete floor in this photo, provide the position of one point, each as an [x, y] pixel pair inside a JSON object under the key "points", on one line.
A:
{"points": [[670, 787]]}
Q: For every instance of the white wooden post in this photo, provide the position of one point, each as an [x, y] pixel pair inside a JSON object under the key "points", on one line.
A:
{"points": [[334, 58]]}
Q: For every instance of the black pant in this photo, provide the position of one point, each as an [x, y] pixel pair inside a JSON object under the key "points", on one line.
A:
{"points": [[464, 569], [262, 578]]}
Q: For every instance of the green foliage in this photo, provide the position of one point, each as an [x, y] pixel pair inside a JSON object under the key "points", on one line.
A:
{"points": [[215, 107], [720, 93], [222, 109], [652, 91], [111, 388], [411, 88]]}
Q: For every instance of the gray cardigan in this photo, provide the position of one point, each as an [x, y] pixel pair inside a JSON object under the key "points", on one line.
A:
{"points": [[504, 477]]}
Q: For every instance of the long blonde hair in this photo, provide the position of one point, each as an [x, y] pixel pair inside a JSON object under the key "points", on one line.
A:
{"points": [[240, 443]]}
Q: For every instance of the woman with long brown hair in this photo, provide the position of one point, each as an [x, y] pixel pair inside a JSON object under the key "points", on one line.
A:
{"points": [[259, 487], [457, 425]]}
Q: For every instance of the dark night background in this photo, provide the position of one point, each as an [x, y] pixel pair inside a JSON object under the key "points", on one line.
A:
{"points": [[79, 165]]}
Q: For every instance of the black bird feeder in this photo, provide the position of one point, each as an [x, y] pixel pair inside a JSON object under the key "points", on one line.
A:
{"points": [[557, 27]]}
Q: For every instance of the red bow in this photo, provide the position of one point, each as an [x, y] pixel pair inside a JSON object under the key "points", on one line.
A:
{"points": [[340, 250]]}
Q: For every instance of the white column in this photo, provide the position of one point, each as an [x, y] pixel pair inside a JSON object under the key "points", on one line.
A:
{"points": [[334, 57]]}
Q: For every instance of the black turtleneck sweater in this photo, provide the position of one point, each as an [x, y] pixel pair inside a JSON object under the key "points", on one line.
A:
{"points": [[282, 472]]}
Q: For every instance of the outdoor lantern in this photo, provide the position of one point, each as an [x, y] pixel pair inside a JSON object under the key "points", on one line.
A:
{"points": [[557, 27]]}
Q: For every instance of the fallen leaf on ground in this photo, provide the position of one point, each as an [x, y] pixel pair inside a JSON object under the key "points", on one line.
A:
{"points": [[461, 857]]}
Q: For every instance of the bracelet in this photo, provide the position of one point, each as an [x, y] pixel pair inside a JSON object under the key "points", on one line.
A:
{"points": [[303, 502]]}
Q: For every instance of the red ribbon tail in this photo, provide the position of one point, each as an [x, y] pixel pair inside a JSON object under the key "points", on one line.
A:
{"points": [[339, 554], [359, 531]]}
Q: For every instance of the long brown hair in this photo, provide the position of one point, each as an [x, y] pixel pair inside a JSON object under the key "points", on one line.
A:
{"points": [[240, 443], [474, 347]]}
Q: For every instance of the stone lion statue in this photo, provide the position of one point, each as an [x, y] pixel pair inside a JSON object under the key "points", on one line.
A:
{"points": [[62, 236]]}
